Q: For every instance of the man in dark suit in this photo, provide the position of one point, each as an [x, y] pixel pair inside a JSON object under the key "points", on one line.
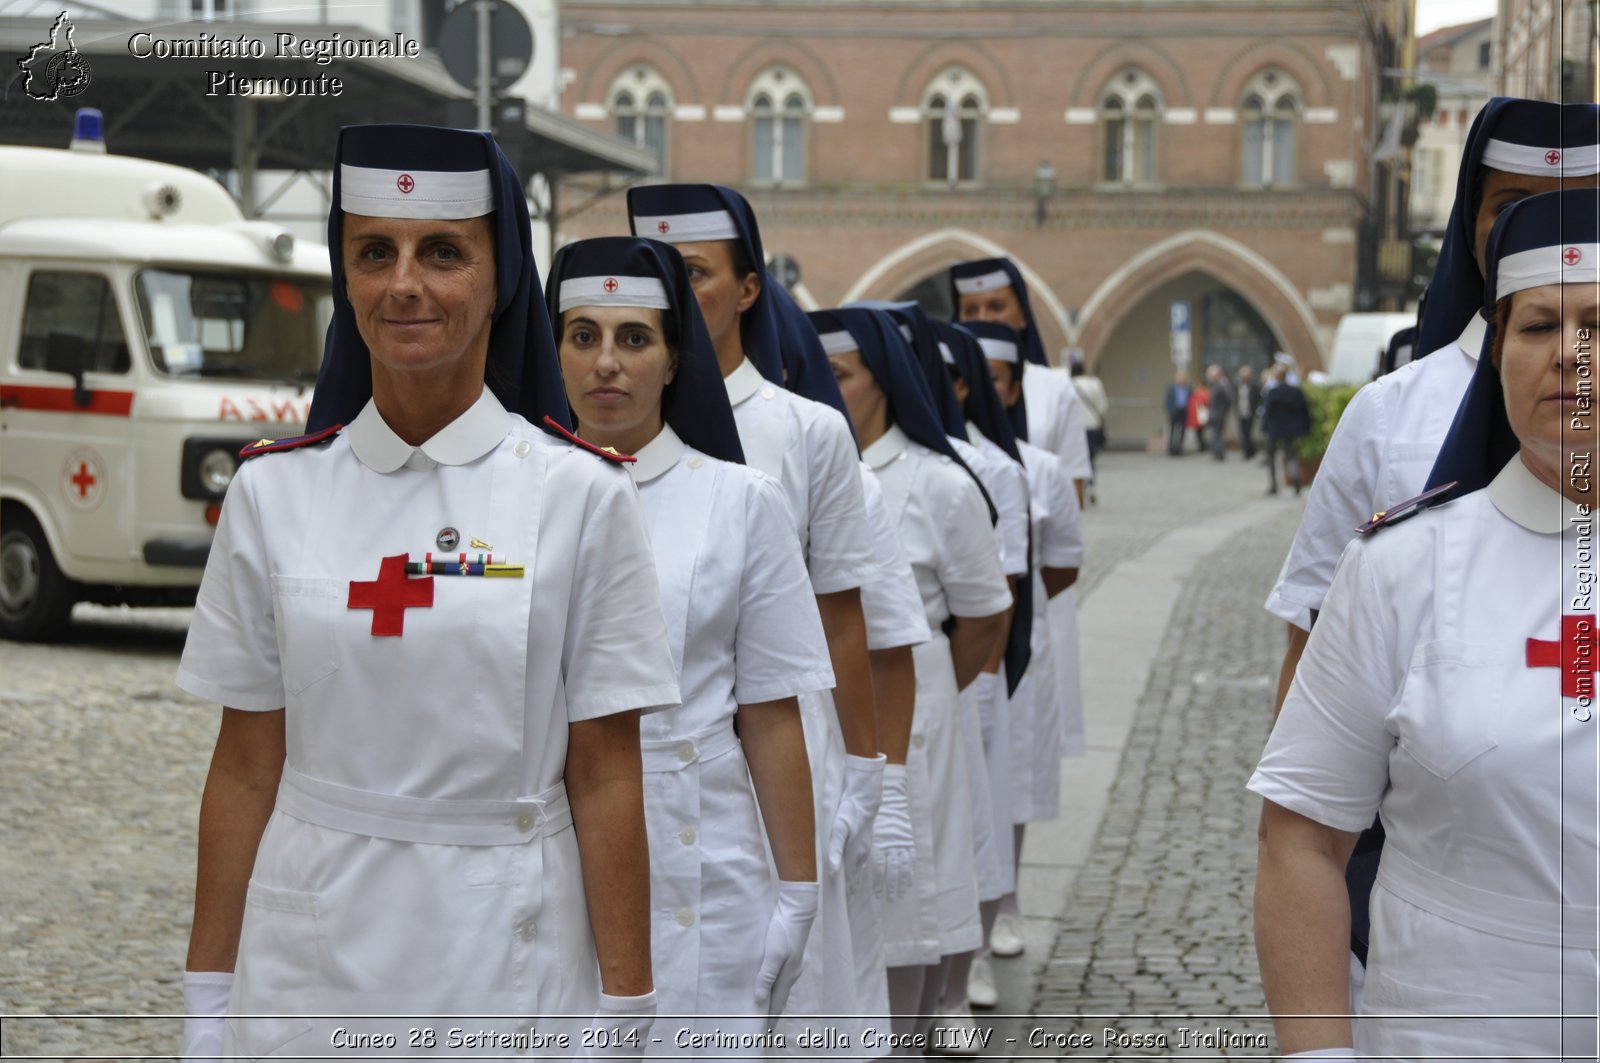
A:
{"points": [[1285, 419], [1177, 411]]}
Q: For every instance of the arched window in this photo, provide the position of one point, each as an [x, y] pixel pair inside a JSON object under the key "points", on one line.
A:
{"points": [[779, 104], [641, 103], [953, 107], [1130, 107], [1268, 115]]}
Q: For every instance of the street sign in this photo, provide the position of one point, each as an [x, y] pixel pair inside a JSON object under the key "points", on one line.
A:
{"points": [[1181, 350], [511, 44]]}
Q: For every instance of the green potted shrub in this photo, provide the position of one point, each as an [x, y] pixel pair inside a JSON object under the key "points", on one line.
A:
{"points": [[1327, 403]]}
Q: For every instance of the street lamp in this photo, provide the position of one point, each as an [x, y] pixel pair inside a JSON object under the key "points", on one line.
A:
{"points": [[1044, 186]]}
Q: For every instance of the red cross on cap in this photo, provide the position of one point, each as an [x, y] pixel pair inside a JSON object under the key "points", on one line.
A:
{"points": [[405, 183], [979, 283], [663, 227], [610, 285], [1552, 156], [1572, 256]]}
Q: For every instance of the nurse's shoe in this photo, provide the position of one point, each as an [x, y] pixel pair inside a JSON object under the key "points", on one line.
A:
{"points": [[955, 1034], [981, 992], [1006, 937]]}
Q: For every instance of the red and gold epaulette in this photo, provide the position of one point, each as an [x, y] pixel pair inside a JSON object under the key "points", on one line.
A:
{"points": [[1409, 508], [608, 453], [272, 446]]}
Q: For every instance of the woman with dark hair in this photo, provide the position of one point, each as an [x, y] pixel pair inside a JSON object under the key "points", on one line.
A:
{"points": [[435, 625], [642, 377], [1448, 686]]}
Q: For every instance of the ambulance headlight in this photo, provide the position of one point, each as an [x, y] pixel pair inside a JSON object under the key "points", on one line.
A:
{"points": [[216, 470]]}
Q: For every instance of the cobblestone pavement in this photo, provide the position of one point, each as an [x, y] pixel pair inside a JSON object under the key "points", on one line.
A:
{"points": [[103, 760], [1153, 934]]}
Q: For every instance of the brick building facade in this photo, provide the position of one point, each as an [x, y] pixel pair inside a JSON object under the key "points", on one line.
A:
{"points": [[1126, 154]]}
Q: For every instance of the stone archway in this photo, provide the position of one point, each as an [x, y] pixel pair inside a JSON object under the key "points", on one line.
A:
{"points": [[935, 252], [1233, 264]]}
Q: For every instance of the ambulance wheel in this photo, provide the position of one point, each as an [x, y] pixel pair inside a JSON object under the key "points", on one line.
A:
{"points": [[35, 598]]}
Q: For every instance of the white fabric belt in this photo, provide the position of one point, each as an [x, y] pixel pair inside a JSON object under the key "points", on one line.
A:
{"points": [[1517, 918], [439, 821], [675, 754]]}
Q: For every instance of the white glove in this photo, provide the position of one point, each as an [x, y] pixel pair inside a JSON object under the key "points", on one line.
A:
{"points": [[621, 1027], [894, 846], [1343, 1052], [787, 930], [205, 1010], [863, 789]]}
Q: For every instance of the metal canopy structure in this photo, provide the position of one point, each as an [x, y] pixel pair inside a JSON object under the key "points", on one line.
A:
{"points": [[158, 108]]}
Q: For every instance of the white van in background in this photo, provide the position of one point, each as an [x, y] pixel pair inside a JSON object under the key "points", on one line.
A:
{"points": [[147, 333], [1359, 343]]}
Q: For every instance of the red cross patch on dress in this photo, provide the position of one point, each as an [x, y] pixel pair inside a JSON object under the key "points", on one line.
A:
{"points": [[1577, 645], [390, 595]]}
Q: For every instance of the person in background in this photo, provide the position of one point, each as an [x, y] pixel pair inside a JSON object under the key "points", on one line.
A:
{"points": [[1197, 418], [1221, 392], [1092, 393], [1177, 404], [1248, 396], [1285, 420]]}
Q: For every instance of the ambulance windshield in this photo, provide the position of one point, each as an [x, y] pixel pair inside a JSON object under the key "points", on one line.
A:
{"points": [[242, 326]]}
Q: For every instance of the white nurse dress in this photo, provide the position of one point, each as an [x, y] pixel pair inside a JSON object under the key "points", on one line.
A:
{"points": [[421, 859]]}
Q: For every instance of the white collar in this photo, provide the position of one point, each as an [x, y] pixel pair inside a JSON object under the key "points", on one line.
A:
{"points": [[658, 456], [973, 435], [743, 382], [888, 447], [1471, 339], [1523, 498], [464, 440]]}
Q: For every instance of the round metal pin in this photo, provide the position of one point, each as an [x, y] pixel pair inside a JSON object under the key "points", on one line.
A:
{"points": [[447, 539]]}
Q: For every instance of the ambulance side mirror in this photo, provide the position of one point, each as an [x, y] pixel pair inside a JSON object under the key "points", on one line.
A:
{"points": [[68, 353]]}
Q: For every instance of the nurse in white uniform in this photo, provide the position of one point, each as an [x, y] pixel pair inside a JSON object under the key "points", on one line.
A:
{"points": [[1389, 435], [896, 623], [946, 530], [1449, 686], [1050, 416], [808, 449], [989, 427], [435, 631], [642, 377], [1058, 553]]}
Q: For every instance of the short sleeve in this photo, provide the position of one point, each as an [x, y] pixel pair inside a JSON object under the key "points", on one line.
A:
{"points": [[1341, 498], [231, 654], [890, 600], [969, 561], [615, 656], [1061, 534], [1328, 756], [839, 550], [779, 648]]}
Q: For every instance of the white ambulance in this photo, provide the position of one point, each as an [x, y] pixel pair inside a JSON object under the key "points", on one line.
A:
{"points": [[147, 333]]}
